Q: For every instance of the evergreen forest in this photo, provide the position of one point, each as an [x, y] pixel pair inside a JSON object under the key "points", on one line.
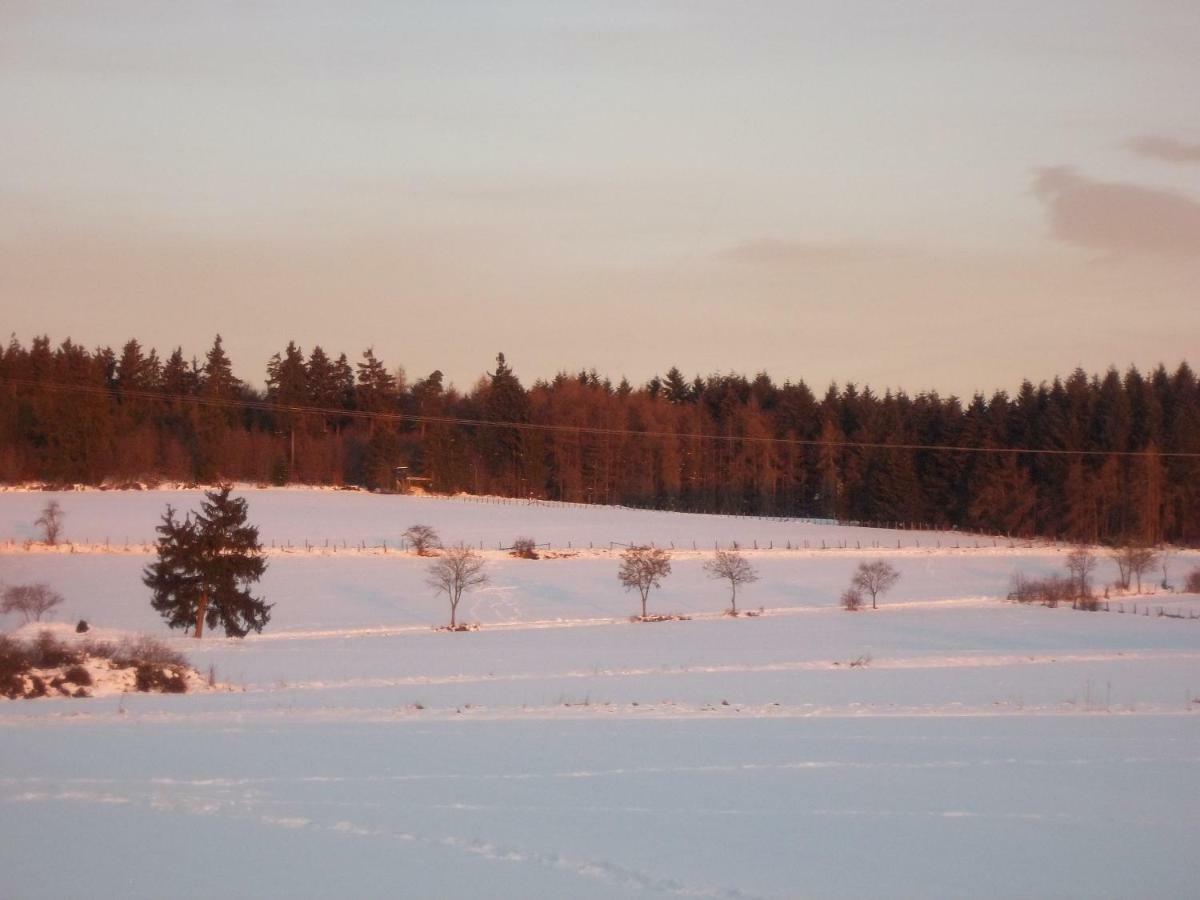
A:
{"points": [[1111, 457]]}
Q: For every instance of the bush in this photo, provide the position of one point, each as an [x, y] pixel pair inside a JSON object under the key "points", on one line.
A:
{"points": [[1048, 591], [852, 599], [82, 627], [154, 678], [14, 658], [423, 539], [1192, 583], [78, 675], [524, 548], [146, 650], [46, 652]]}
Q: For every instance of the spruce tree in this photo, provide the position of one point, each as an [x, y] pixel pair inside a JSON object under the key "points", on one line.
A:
{"points": [[206, 566]]}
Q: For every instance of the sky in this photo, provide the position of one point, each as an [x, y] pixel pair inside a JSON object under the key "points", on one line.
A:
{"points": [[924, 195]]}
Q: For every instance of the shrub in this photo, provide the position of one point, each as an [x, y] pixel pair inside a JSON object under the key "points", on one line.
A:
{"points": [[852, 599], [46, 652], [14, 658], [78, 675], [154, 678], [524, 548], [1048, 591], [423, 539], [1192, 583], [82, 627], [146, 650]]}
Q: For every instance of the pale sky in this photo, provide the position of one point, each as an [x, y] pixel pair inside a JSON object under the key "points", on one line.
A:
{"points": [[949, 195]]}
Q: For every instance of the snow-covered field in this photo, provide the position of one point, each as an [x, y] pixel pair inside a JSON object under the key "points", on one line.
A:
{"points": [[977, 748]]}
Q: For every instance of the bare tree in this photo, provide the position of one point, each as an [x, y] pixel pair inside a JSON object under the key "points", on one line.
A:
{"points": [[457, 570], [733, 567], [644, 568], [423, 539], [1120, 555], [30, 600], [50, 521], [1081, 563], [1140, 561], [1133, 561], [875, 578]]}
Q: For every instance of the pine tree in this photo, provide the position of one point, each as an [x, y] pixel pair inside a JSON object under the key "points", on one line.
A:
{"points": [[205, 568]]}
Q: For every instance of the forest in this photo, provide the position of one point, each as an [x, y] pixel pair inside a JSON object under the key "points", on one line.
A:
{"points": [[1110, 457]]}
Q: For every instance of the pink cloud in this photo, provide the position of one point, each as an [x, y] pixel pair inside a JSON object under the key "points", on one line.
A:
{"points": [[1165, 149], [1117, 218]]}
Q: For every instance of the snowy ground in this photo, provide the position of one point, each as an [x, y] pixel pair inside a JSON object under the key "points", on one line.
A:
{"points": [[980, 749]]}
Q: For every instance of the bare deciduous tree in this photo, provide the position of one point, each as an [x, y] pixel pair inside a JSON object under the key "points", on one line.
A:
{"points": [[732, 567], [1081, 563], [644, 568], [875, 578], [423, 539], [50, 521], [457, 570], [30, 600], [1140, 561], [1133, 561]]}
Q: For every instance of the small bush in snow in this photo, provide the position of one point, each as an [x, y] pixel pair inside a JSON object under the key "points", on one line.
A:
{"points": [[1192, 583], [47, 652], [146, 650], [78, 675], [423, 539], [524, 548], [155, 678], [852, 599], [1049, 591]]}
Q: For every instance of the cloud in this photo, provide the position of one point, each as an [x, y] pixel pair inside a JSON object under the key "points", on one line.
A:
{"points": [[1165, 149], [1117, 218], [772, 251]]}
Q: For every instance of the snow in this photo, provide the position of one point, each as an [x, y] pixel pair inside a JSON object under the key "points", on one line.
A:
{"points": [[980, 747]]}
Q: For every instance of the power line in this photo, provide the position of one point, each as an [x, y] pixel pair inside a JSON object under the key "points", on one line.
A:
{"points": [[272, 407]]}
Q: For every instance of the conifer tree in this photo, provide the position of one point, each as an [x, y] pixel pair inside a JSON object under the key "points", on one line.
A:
{"points": [[206, 566]]}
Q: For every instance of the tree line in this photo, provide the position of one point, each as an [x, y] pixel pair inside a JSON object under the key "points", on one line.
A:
{"points": [[1106, 457]]}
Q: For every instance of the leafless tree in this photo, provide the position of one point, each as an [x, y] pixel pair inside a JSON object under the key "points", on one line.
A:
{"points": [[1133, 561], [457, 570], [1081, 563], [644, 568], [1140, 561], [423, 539], [852, 599], [733, 567], [875, 578], [50, 521], [30, 600], [1120, 556]]}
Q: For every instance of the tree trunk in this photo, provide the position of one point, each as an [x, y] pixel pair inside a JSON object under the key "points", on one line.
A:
{"points": [[200, 611], [644, 604], [453, 610], [733, 600]]}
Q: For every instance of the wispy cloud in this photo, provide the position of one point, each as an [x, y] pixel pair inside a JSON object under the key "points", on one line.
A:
{"points": [[1117, 218], [1166, 149], [773, 251]]}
